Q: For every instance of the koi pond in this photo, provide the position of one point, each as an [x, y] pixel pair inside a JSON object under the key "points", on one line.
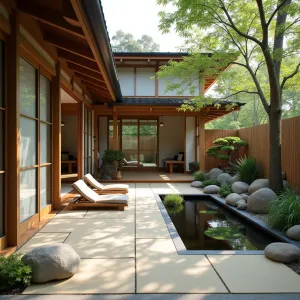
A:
{"points": [[202, 224]]}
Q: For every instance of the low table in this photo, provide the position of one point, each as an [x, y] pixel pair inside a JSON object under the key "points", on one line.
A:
{"points": [[170, 163], [70, 164]]}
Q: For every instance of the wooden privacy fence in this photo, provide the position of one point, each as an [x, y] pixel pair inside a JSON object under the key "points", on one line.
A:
{"points": [[258, 140]]}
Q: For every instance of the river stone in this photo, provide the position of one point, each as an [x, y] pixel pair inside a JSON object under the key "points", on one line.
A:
{"points": [[241, 205], [234, 179], [245, 197], [214, 173], [223, 178], [258, 184], [294, 232], [52, 262], [282, 252], [211, 189], [240, 187], [196, 184], [232, 199], [259, 201]]}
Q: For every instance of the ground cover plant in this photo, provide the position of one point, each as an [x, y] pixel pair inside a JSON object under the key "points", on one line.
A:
{"points": [[248, 169], [199, 176], [210, 182], [173, 200], [225, 190]]}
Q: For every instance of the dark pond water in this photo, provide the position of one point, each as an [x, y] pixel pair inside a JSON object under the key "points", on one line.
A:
{"points": [[203, 225]]}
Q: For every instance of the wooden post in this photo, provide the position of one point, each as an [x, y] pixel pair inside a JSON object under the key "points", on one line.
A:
{"points": [[56, 201], [202, 141], [96, 142], [115, 132], [80, 143], [13, 132]]}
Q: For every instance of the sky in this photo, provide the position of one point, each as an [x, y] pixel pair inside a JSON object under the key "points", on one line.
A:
{"points": [[138, 17]]}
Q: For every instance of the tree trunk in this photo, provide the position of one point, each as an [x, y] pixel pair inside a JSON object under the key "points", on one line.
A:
{"points": [[275, 175]]}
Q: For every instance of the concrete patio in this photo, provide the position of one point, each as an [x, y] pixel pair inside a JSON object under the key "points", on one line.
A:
{"points": [[132, 252]]}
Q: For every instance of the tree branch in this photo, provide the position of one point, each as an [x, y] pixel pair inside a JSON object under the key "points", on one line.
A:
{"points": [[239, 92], [286, 78], [275, 12]]}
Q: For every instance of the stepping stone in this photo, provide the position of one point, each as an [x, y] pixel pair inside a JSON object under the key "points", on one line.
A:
{"points": [[282, 252]]}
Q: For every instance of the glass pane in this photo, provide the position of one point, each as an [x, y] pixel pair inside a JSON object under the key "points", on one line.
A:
{"points": [[130, 141], [2, 139], [148, 142], [27, 194], [27, 89], [2, 76], [28, 142], [45, 99], [45, 186], [90, 123], [85, 120], [45, 143], [86, 145], [2, 205]]}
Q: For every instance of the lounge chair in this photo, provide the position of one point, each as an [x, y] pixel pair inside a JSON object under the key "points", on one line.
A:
{"points": [[132, 163], [105, 189], [89, 198]]}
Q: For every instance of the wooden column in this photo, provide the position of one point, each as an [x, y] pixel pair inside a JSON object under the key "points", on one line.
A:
{"points": [[80, 143], [115, 130], [56, 200], [13, 132], [96, 142], [202, 141]]}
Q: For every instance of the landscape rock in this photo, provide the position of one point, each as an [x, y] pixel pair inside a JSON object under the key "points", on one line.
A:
{"points": [[234, 179], [211, 189], [223, 178], [282, 252], [285, 183], [259, 201], [257, 185], [232, 199], [241, 205], [214, 173], [52, 262], [106, 170], [294, 232], [240, 187], [196, 184], [245, 197]]}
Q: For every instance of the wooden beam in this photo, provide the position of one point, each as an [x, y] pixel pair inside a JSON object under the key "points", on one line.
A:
{"points": [[50, 17], [202, 141], [78, 60], [115, 131], [89, 79], [56, 172], [68, 45], [13, 132], [85, 71], [69, 14], [96, 86], [98, 91]]}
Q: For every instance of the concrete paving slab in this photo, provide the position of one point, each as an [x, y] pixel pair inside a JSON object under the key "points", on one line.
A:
{"points": [[255, 274], [42, 239], [95, 276], [72, 214], [63, 225], [155, 247], [111, 214]]}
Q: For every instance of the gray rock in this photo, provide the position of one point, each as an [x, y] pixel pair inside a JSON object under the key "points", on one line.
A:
{"points": [[106, 170], [241, 205], [285, 183], [223, 178], [259, 201], [245, 197], [232, 199], [282, 252], [196, 184], [52, 262], [214, 173], [234, 179], [283, 175], [211, 189], [294, 232], [258, 184], [240, 187]]}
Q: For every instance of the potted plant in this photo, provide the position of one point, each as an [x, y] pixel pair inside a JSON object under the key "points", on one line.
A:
{"points": [[114, 157]]}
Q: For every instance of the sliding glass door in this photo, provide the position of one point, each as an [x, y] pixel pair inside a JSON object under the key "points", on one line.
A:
{"points": [[130, 141], [88, 142]]}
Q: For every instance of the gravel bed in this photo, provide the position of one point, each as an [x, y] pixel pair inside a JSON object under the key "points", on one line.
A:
{"points": [[261, 217], [295, 267]]}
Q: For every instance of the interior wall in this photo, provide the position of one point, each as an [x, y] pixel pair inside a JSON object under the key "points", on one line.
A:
{"points": [[102, 137], [189, 141], [171, 137], [69, 135]]}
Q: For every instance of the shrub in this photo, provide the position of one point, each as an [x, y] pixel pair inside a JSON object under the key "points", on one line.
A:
{"points": [[13, 272], [210, 182], [225, 190], [199, 176], [173, 200], [284, 212], [194, 166], [112, 155], [248, 169]]}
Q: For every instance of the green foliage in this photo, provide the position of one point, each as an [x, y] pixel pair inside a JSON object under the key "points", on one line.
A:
{"points": [[173, 200], [223, 233], [208, 212], [112, 155], [248, 168], [199, 176], [174, 210], [194, 166], [225, 190], [13, 272], [210, 182], [284, 212]]}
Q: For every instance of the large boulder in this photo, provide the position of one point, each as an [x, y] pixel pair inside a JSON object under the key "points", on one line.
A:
{"points": [[240, 187], [232, 199], [196, 184], [294, 233], [259, 201], [211, 189], [258, 184], [234, 179], [214, 173], [223, 178], [282, 252], [52, 262]]}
